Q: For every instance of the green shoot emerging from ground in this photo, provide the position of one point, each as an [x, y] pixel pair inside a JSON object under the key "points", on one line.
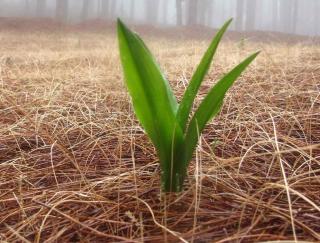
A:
{"points": [[164, 120]]}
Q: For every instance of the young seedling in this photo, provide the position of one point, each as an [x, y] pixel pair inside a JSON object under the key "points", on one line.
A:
{"points": [[164, 120]]}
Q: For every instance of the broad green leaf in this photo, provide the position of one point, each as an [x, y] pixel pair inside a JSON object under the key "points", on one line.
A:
{"points": [[156, 107], [153, 101], [211, 105], [197, 78]]}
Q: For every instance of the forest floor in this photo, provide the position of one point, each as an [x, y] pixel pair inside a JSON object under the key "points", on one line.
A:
{"points": [[76, 166]]}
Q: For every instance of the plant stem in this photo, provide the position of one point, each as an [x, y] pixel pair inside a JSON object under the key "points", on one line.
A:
{"points": [[173, 181]]}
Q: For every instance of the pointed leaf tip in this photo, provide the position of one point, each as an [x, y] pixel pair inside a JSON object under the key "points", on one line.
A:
{"points": [[120, 24], [212, 103], [253, 56], [198, 77], [229, 20], [119, 21], [153, 100]]}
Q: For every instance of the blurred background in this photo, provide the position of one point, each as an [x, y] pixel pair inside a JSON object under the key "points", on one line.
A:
{"points": [[287, 16]]}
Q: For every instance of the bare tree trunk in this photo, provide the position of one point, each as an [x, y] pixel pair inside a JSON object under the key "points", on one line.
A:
{"points": [[192, 17], [210, 15], [179, 12], [40, 9], [27, 11], [85, 10], [132, 8], [104, 8], [2, 6], [288, 15], [294, 16], [122, 9], [250, 14], [204, 11], [316, 11], [62, 10], [113, 8], [152, 8], [164, 7], [275, 14], [240, 13], [285, 15]]}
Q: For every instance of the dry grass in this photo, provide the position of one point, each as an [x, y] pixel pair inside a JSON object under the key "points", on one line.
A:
{"points": [[76, 166]]}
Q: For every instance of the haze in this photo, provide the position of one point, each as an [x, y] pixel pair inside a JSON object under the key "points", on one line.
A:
{"points": [[288, 16]]}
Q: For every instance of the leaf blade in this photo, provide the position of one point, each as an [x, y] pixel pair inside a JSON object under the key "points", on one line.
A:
{"points": [[153, 101], [197, 78], [211, 105]]}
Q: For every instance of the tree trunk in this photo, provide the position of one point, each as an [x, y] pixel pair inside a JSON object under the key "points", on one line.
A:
{"points": [[132, 8], [62, 10], [113, 9], [152, 8], [104, 8], [85, 10], [27, 12], [288, 15], [41, 7], [285, 15], [192, 17], [275, 14], [122, 9], [316, 11], [250, 14], [240, 13], [210, 15], [179, 12], [204, 11], [163, 17], [294, 16]]}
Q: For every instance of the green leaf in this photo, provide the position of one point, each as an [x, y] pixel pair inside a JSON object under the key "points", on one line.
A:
{"points": [[152, 98], [156, 107], [211, 105], [197, 78]]}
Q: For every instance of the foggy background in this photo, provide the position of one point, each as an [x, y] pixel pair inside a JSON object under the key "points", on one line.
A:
{"points": [[287, 16]]}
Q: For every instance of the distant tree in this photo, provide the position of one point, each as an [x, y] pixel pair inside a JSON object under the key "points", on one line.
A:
{"points": [[284, 10], [62, 7], [122, 6], [251, 6], [179, 12], [240, 14], [211, 8], [104, 9], [164, 8], [192, 15], [204, 10], [113, 7], [85, 9], [294, 16], [288, 15], [316, 17], [40, 8], [275, 14], [152, 9], [27, 8], [132, 7], [2, 8]]}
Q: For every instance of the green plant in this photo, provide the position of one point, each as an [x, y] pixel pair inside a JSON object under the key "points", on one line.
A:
{"points": [[164, 120]]}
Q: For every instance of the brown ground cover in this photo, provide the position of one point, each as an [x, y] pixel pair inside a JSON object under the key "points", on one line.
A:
{"points": [[76, 166]]}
